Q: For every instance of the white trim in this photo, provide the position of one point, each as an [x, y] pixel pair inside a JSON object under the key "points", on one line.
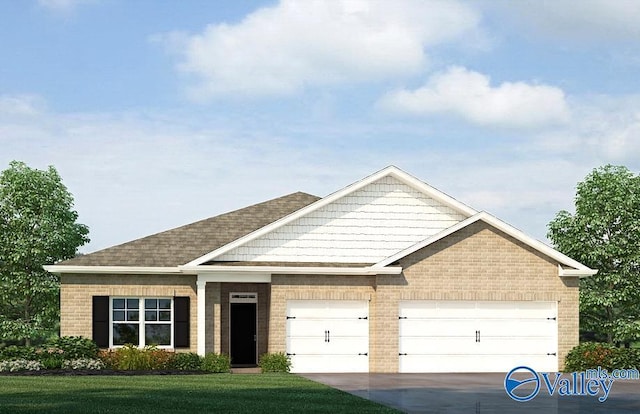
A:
{"points": [[238, 278], [579, 268], [201, 287], [256, 274], [243, 297], [136, 270], [573, 272], [391, 171], [141, 322], [225, 272]]}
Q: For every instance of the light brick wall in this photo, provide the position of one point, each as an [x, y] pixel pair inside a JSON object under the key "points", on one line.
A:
{"points": [[77, 290], [212, 317]]}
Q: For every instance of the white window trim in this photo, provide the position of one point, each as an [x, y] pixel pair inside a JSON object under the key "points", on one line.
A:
{"points": [[141, 322]]}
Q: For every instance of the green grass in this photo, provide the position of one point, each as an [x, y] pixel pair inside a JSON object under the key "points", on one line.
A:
{"points": [[157, 394]]}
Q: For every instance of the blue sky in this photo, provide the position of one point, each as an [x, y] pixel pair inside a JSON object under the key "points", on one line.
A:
{"points": [[160, 113]]}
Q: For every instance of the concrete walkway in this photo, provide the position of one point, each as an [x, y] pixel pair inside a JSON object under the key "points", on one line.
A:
{"points": [[472, 393]]}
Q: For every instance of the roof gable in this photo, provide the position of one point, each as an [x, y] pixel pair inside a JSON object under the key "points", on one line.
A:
{"points": [[363, 223], [577, 268], [180, 245]]}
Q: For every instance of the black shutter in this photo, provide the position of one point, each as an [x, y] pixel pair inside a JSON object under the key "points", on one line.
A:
{"points": [[181, 322], [101, 321]]}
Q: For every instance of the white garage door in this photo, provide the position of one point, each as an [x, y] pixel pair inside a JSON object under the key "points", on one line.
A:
{"points": [[467, 336], [328, 335]]}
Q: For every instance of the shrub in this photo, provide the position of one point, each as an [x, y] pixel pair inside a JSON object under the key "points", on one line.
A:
{"points": [[187, 361], [19, 365], [110, 358], [276, 362], [590, 355], [625, 358], [75, 347], [132, 358], [159, 358], [213, 362], [50, 358], [83, 363], [14, 352]]}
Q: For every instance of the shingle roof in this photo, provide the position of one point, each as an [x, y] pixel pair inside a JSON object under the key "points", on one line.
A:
{"points": [[183, 244]]}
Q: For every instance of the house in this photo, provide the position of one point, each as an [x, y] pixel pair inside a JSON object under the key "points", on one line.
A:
{"points": [[386, 275]]}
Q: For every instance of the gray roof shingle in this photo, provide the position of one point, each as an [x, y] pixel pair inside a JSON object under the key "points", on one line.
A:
{"points": [[183, 244]]}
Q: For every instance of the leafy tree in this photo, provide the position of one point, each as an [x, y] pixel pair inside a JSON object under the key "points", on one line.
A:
{"points": [[604, 234], [37, 227]]}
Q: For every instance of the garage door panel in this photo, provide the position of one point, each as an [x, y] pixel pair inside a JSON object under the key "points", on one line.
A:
{"points": [[306, 345], [474, 363], [307, 327], [349, 327], [328, 336], [476, 336], [415, 346], [516, 327], [522, 345], [317, 327], [326, 309], [437, 327]]}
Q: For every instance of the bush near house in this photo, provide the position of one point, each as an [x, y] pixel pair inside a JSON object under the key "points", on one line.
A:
{"points": [[590, 355], [218, 363], [53, 354], [77, 353], [276, 362], [186, 361]]}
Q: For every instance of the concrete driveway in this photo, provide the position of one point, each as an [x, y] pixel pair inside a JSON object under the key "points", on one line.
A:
{"points": [[472, 393]]}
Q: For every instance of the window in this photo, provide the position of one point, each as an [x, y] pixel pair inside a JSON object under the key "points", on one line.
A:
{"points": [[142, 321]]}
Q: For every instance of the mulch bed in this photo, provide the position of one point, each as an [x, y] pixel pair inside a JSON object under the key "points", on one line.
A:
{"points": [[76, 372]]}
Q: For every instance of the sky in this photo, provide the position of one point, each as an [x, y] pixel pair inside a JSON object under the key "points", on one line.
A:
{"points": [[160, 113]]}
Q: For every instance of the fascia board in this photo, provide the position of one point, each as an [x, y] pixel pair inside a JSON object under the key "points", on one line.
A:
{"points": [[294, 270], [138, 270], [576, 272], [432, 192], [388, 171]]}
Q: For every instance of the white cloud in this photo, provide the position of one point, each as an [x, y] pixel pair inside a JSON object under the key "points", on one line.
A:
{"points": [[470, 95], [284, 48], [593, 20], [609, 127], [21, 104]]}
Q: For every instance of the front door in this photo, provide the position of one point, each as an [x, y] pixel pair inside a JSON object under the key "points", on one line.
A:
{"points": [[243, 333]]}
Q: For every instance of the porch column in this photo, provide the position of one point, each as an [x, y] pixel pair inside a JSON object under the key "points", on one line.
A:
{"points": [[202, 335]]}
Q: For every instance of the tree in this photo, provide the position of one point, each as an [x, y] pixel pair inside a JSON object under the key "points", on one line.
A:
{"points": [[37, 227], [604, 234]]}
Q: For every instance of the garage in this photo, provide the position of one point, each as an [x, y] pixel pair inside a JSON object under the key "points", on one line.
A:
{"points": [[328, 335], [477, 336]]}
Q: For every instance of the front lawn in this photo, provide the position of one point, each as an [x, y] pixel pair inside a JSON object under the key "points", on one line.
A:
{"points": [[157, 394]]}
